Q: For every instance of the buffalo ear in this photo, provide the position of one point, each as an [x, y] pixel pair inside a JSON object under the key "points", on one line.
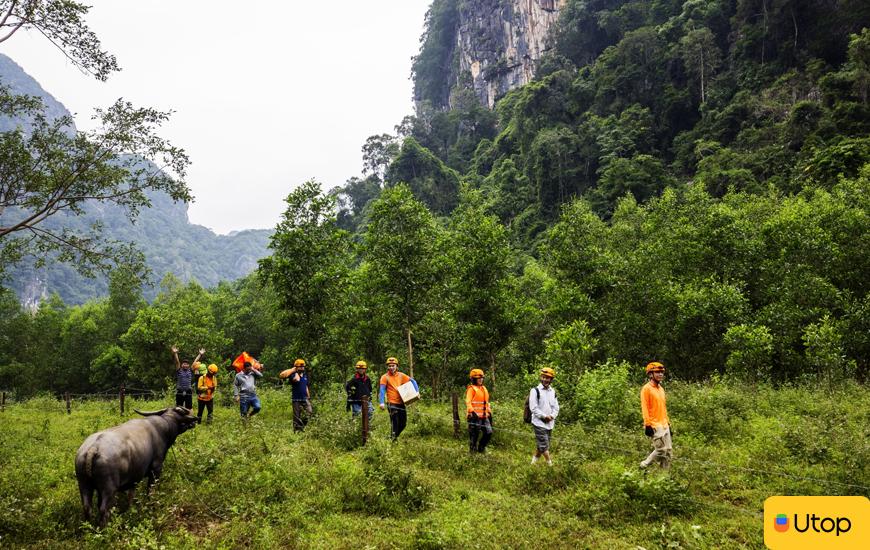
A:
{"points": [[150, 413], [183, 411]]}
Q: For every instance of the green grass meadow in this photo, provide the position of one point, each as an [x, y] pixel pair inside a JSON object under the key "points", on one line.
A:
{"points": [[229, 485]]}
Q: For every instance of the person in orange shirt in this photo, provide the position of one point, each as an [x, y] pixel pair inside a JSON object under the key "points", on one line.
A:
{"points": [[389, 390], [478, 412], [657, 425], [205, 388]]}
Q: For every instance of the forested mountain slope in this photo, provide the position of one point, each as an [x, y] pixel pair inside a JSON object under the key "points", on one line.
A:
{"points": [[170, 243]]}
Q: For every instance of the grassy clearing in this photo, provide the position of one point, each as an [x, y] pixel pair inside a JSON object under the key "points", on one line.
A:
{"points": [[228, 485]]}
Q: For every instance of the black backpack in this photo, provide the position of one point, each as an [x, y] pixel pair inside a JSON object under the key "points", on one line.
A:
{"points": [[527, 412]]}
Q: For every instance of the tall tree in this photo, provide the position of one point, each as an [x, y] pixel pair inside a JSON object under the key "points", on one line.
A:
{"points": [[479, 258], [399, 248], [310, 264]]}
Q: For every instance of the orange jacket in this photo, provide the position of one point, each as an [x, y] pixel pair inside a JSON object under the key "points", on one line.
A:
{"points": [[652, 404], [392, 384], [205, 387], [477, 401]]}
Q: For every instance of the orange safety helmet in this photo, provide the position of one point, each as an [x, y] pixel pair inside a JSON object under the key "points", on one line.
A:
{"points": [[547, 371], [213, 368], [655, 366], [299, 363], [475, 373], [392, 361], [361, 365]]}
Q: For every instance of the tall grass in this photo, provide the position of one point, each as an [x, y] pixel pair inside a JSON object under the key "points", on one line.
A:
{"points": [[258, 484]]}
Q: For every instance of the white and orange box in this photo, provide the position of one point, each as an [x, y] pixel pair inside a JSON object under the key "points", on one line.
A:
{"points": [[817, 523]]}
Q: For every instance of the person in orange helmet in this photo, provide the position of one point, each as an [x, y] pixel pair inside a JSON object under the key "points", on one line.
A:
{"points": [[478, 412], [205, 388], [544, 408], [300, 393], [359, 390], [657, 424], [390, 399]]}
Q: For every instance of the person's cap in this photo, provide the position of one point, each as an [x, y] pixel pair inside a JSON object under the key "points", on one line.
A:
{"points": [[361, 365], [299, 363]]}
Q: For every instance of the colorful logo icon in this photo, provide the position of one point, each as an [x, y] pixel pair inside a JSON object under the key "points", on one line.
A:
{"points": [[780, 523]]}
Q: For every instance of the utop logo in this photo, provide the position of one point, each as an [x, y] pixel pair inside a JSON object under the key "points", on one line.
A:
{"points": [[817, 523]]}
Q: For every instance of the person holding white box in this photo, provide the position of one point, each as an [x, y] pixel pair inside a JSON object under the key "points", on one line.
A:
{"points": [[389, 392]]}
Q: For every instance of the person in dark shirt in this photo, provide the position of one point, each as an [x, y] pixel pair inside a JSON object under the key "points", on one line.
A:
{"points": [[300, 393], [184, 380], [358, 387]]}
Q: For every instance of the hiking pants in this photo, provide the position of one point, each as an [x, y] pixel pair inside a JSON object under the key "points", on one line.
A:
{"points": [[356, 409], [184, 398], [301, 412], [246, 403], [205, 405], [398, 419], [481, 428], [662, 450]]}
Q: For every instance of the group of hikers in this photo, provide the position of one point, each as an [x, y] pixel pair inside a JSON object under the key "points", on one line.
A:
{"points": [[541, 410]]}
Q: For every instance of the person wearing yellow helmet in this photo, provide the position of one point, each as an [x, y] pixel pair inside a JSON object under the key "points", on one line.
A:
{"points": [[184, 380], [359, 390], [478, 412], [301, 394], [544, 407], [657, 424], [391, 400], [205, 388]]}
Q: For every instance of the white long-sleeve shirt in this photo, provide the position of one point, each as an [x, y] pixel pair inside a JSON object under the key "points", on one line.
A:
{"points": [[547, 405]]}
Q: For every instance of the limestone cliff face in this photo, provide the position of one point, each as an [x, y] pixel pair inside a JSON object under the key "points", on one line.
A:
{"points": [[499, 42]]}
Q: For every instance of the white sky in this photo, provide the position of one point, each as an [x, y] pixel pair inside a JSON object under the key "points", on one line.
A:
{"points": [[266, 94]]}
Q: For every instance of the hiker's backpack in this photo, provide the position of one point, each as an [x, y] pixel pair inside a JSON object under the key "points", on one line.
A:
{"points": [[527, 411]]}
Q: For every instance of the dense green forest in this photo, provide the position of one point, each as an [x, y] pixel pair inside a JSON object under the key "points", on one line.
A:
{"points": [[686, 181]]}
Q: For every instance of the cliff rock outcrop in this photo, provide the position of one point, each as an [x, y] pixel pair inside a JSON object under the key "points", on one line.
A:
{"points": [[500, 41], [488, 46]]}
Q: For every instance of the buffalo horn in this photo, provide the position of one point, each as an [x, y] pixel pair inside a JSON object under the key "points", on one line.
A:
{"points": [[151, 413]]}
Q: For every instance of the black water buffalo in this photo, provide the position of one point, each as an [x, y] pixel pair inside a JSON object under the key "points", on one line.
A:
{"points": [[117, 458]]}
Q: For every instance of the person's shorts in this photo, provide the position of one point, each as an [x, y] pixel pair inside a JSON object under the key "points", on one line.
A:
{"points": [[542, 438]]}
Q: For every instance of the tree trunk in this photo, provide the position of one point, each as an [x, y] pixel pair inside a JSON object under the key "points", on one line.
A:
{"points": [[492, 369], [703, 98], [410, 354]]}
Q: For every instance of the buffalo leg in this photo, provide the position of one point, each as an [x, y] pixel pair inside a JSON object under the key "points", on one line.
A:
{"points": [[154, 474], [107, 500], [87, 493]]}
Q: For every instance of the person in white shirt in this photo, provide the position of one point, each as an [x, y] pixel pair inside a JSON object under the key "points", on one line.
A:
{"points": [[545, 408]]}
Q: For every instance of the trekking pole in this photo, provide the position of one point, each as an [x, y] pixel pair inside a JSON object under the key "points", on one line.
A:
{"points": [[3, 402], [365, 418], [455, 399], [66, 399], [121, 397]]}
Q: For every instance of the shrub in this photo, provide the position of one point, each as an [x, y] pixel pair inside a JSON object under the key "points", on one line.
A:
{"points": [[602, 394]]}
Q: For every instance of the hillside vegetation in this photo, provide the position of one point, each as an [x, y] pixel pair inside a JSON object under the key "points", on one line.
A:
{"points": [[228, 485], [162, 232]]}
